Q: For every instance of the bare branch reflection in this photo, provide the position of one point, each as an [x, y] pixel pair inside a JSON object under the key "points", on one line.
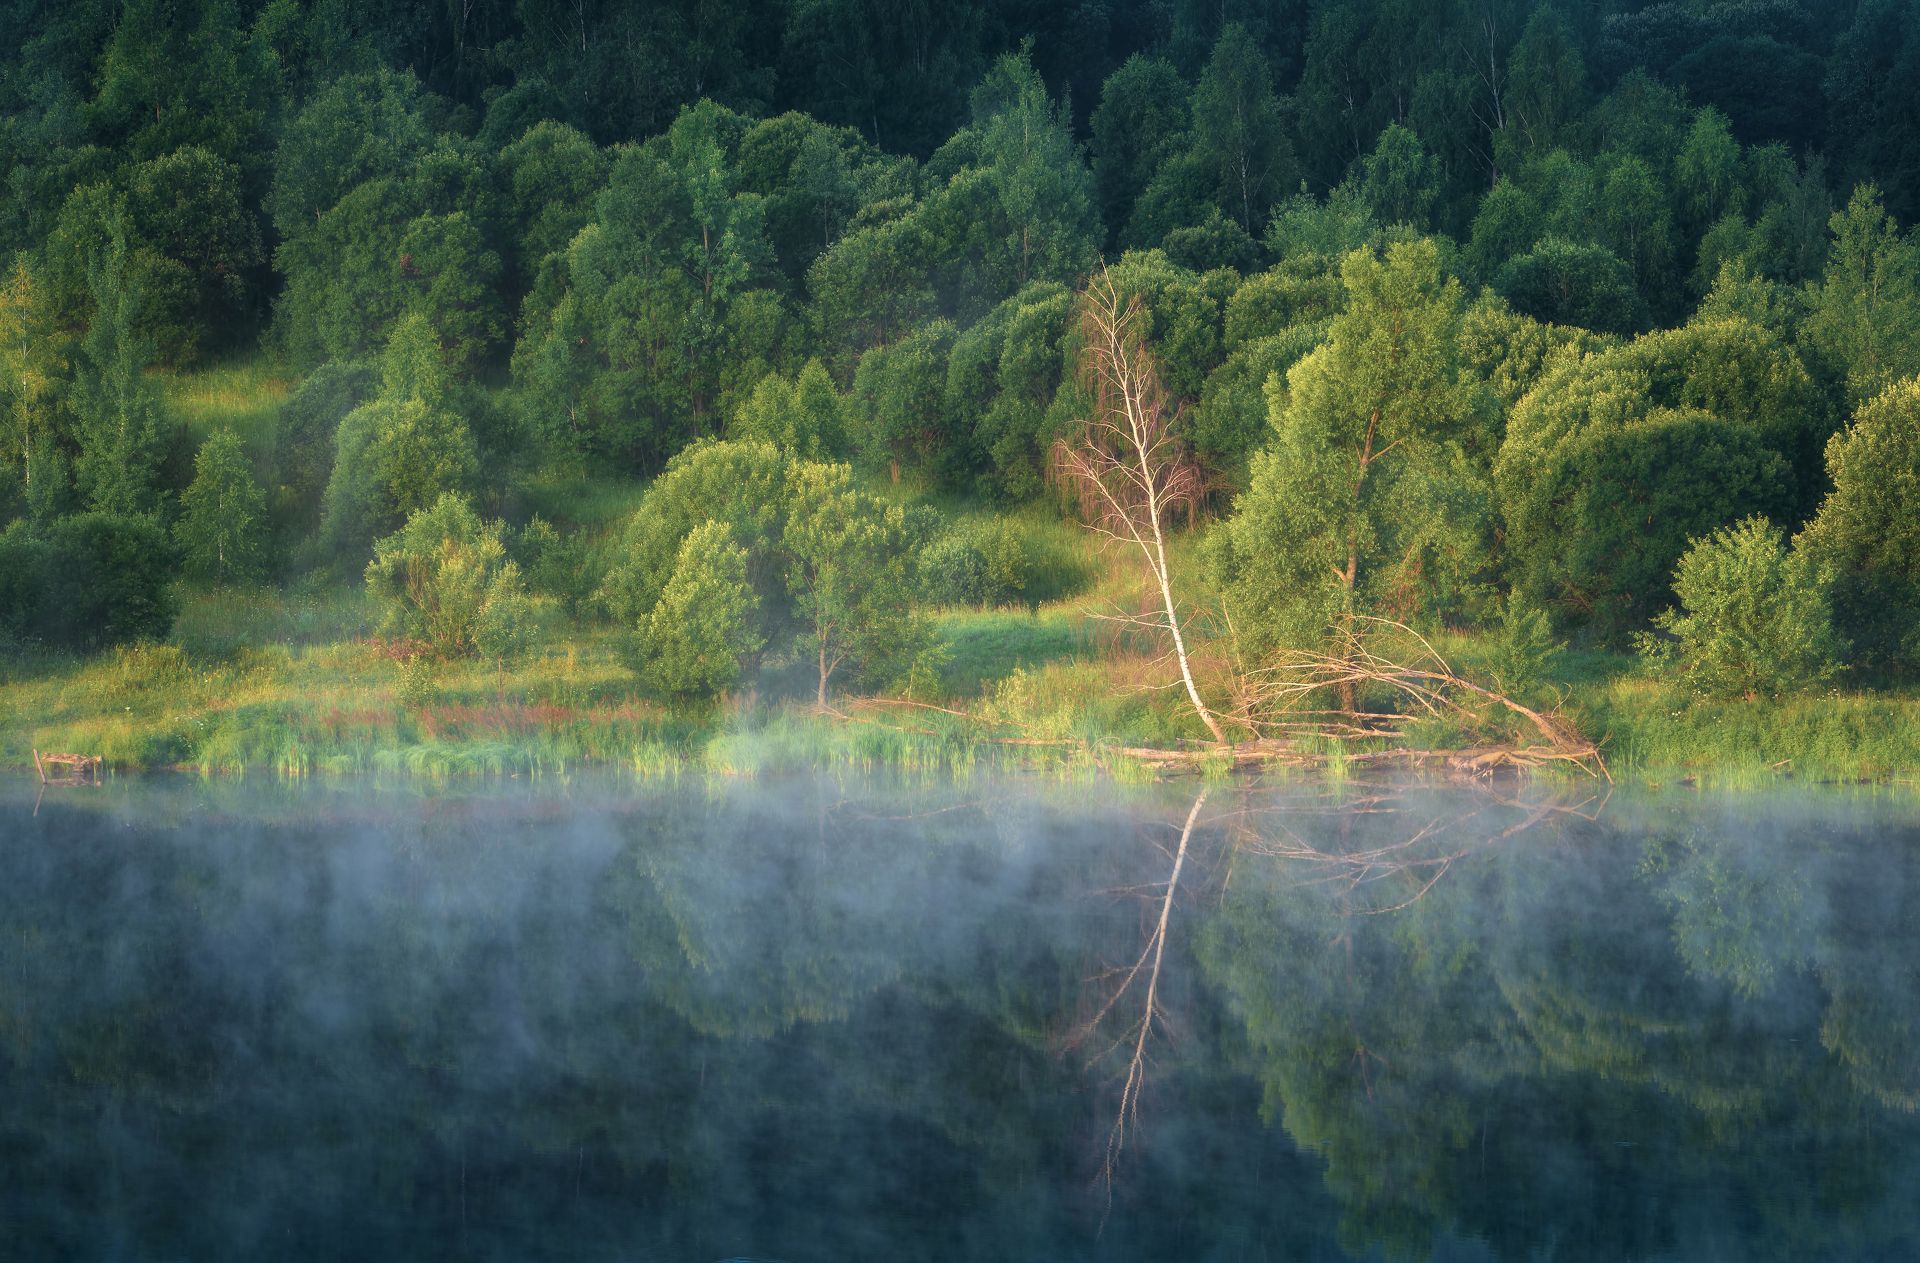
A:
{"points": [[1381, 847]]}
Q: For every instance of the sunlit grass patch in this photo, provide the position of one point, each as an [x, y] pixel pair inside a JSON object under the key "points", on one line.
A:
{"points": [[222, 622], [244, 395], [984, 646], [581, 500], [1658, 730]]}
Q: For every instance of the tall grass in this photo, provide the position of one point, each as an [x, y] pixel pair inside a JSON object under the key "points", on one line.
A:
{"points": [[243, 395]]}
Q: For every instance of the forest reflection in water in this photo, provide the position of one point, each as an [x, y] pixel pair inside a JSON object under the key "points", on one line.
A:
{"points": [[830, 1018]]}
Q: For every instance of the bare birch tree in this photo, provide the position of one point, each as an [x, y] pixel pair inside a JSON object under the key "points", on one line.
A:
{"points": [[1125, 464]]}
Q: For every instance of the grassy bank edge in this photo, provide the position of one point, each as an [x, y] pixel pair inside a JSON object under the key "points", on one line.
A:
{"points": [[342, 710]]}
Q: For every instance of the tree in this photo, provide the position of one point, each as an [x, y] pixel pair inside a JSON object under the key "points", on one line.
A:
{"points": [[1707, 171], [389, 247], [120, 422], [189, 211], [1753, 617], [1875, 124], [1867, 533], [185, 73], [33, 363], [805, 417], [703, 627], [1141, 118], [1399, 180], [1238, 131], [222, 513], [1125, 462], [813, 179], [1366, 504], [1635, 222], [360, 127], [871, 286], [1866, 313], [666, 314], [1005, 374], [1565, 282], [850, 573], [741, 484], [1602, 483], [1546, 81], [549, 176], [899, 407], [1508, 222], [1045, 225], [307, 427], [193, 249], [400, 452]]}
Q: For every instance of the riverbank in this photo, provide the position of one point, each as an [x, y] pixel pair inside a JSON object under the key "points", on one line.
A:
{"points": [[291, 685]]}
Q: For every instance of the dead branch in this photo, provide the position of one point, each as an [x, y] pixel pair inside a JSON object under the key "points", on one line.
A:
{"points": [[1287, 698]]}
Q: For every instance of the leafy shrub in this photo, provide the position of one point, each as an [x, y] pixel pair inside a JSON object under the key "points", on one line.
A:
{"points": [[702, 630], [87, 581], [1753, 617], [444, 581], [566, 567], [978, 563], [23, 580], [1524, 649]]}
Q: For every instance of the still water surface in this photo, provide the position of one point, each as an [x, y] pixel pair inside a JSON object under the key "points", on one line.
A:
{"points": [[825, 1019]]}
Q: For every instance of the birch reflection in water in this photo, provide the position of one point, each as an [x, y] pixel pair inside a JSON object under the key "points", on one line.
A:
{"points": [[823, 1018], [1389, 844]]}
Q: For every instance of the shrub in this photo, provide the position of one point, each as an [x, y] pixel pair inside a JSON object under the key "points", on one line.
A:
{"points": [[1753, 618], [23, 580], [703, 628], [444, 580], [1524, 649], [978, 563], [87, 581]]}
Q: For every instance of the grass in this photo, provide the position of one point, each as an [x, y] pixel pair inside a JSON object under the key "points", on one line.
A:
{"points": [[582, 501], [1655, 730], [287, 680], [244, 395]]}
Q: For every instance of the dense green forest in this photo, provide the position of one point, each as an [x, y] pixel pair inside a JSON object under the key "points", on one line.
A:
{"points": [[612, 359]]}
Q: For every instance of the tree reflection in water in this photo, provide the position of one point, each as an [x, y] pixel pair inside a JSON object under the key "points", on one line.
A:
{"points": [[825, 1018]]}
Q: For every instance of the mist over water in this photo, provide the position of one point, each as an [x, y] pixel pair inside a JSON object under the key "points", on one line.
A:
{"points": [[833, 1018]]}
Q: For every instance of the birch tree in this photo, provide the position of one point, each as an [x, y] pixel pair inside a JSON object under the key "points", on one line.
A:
{"points": [[1126, 462]]}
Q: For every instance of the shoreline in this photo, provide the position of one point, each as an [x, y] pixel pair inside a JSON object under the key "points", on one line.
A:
{"points": [[381, 735]]}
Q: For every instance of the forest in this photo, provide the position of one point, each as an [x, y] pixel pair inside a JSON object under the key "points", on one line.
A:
{"points": [[491, 384]]}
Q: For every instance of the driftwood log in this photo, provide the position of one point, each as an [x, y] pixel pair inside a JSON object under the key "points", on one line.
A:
{"points": [[67, 769]]}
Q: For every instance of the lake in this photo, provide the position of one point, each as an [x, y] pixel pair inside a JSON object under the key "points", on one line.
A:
{"points": [[834, 1018]]}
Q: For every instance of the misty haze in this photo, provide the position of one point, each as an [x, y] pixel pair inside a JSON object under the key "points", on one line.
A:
{"points": [[843, 1018]]}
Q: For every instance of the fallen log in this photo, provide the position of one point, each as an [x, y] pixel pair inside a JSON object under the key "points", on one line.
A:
{"points": [[78, 768]]}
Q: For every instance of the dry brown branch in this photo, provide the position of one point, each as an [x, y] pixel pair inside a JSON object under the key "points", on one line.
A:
{"points": [[1286, 698]]}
